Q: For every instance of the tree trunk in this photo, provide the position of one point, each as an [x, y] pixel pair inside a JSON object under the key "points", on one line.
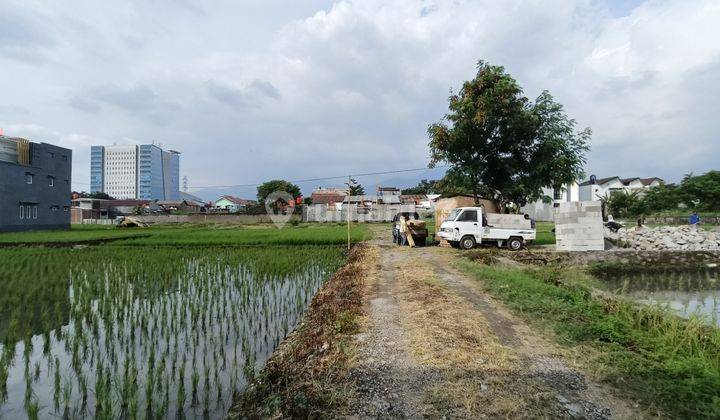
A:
{"points": [[476, 194]]}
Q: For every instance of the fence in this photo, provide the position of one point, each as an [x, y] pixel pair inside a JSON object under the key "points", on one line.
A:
{"points": [[240, 219], [376, 213]]}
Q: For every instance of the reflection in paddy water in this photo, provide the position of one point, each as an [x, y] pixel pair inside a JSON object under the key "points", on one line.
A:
{"points": [[687, 292]]}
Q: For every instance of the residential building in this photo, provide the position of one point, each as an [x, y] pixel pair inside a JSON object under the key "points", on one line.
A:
{"points": [[596, 188], [232, 204], [330, 197], [144, 172], [182, 206], [430, 200], [388, 195], [34, 185], [543, 210], [414, 199], [591, 190]]}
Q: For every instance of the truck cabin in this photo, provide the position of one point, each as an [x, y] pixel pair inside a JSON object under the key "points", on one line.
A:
{"points": [[466, 215]]}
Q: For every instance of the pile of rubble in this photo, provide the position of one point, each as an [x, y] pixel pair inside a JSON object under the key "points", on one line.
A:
{"points": [[682, 238]]}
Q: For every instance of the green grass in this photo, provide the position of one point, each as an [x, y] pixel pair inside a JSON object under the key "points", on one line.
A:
{"points": [[544, 233], [78, 233], [666, 361], [265, 234]]}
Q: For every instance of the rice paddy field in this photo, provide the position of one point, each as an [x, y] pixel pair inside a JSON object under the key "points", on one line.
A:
{"points": [[167, 322]]}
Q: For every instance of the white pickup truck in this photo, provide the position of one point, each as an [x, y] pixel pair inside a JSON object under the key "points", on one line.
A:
{"points": [[466, 227]]}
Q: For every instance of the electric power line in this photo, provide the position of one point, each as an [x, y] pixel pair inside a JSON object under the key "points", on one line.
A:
{"points": [[327, 178]]}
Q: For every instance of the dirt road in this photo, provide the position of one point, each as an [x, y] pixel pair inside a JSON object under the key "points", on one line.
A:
{"points": [[434, 344]]}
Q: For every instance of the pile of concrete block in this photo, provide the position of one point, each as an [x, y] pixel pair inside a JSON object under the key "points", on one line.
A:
{"points": [[508, 221], [579, 226]]}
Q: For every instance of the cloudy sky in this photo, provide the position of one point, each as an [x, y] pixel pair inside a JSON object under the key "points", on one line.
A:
{"points": [[251, 90]]}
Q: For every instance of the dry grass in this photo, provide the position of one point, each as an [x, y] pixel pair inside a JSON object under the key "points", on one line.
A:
{"points": [[482, 378], [307, 375], [443, 329]]}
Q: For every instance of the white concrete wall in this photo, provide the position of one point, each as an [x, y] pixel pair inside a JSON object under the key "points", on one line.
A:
{"points": [[578, 226], [544, 212]]}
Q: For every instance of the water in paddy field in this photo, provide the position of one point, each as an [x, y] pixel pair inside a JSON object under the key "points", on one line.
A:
{"points": [[121, 347], [686, 292]]}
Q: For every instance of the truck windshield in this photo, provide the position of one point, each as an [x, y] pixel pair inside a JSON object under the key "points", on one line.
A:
{"points": [[451, 217]]}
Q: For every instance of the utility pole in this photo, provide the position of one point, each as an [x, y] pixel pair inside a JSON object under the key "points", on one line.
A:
{"points": [[348, 210]]}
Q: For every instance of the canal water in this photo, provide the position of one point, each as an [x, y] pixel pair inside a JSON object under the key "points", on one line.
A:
{"points": [[687, 292]]}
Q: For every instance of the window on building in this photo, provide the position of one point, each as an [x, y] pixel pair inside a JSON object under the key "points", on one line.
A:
{"points": [[22, 211], [28, 178], [66, 208], [51, 181], [54, 208], [34, 212], [557, 193], [64, 157], [27, 211]]}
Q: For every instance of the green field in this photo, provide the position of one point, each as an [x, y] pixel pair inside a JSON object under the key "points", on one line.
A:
{"points": [[167, 321], [261, 234], [545, 236]]}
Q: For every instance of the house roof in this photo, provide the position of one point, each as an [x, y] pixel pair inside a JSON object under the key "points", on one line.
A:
{"points": [[600, 180], [387, 189], [175, 203], [624, 181], [237, 200], [648, 181], [327, 198], [412, 198], [190, 197], [125, 203], [627, 181]]}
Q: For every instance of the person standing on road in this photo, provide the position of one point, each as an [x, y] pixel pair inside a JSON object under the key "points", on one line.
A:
{"points": [[405, 232], [694, 219]]}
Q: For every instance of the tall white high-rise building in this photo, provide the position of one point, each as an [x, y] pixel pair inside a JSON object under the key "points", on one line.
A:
{"points": [[140, 172]]}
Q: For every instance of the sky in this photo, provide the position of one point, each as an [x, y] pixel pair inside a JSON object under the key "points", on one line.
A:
{"points": [[249, 91]]}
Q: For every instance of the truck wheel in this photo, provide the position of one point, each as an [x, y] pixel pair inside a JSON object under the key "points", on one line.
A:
{"points": [[467, 242], [514, 244]]}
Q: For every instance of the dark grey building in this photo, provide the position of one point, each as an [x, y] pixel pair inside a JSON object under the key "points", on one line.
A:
{"points": [[34, 185]]}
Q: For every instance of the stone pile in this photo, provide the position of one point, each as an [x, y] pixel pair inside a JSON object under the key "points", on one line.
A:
{"points": [[674, 238]]}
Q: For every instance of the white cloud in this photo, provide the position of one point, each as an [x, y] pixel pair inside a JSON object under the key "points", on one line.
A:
{"points": [[317, 89]]}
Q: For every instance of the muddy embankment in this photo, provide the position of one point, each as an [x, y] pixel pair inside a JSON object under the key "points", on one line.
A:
{"points": [[307, 375]]}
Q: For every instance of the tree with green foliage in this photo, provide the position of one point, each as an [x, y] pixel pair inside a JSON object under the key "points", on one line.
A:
{"points": [[624, 204], [661, 198], [356, 189], [269, 187], [424, 187], [504, 147], [97, 195], [701, 192]]}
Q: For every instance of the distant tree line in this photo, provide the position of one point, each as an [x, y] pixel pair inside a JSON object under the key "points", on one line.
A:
{"points": [[95, 195], [695, 192]]}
